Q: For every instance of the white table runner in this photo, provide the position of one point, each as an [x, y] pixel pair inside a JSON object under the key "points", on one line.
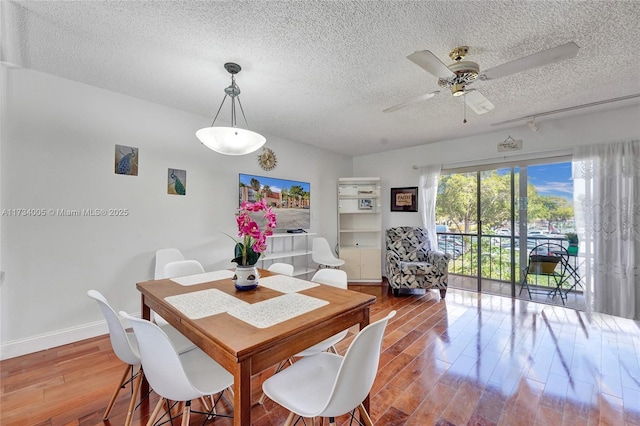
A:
{"points": [[204, 303], [203, 278], [286, 284], [279, 309]]}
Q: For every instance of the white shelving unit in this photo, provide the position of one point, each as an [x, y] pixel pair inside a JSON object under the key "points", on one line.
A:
{"points": [[360, 228], [294, 249]]}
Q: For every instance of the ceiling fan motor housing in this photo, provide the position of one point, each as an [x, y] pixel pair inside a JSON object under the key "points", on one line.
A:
{"points": [[466, 72]]}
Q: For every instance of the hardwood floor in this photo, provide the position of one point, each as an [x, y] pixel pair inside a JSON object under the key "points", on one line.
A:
{"points": [[573, 300], [470, 359]]}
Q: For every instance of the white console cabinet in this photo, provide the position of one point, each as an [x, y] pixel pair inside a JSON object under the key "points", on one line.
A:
{"points": [[294, 249], [360, 228]]}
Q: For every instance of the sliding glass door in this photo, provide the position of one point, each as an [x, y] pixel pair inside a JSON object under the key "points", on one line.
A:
{"points": [[482, 213], [498, 219]]}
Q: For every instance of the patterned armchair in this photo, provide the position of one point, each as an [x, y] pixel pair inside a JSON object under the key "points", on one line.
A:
{"points": [[411, 263]]}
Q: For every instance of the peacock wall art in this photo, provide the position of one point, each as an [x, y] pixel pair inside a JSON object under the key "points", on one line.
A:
{"points": [[126, 160], [177, 182]]}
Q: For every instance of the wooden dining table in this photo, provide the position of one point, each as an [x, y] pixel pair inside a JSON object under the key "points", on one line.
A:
{"points": [[245, 349]]}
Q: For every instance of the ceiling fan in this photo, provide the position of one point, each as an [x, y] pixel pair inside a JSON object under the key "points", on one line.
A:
{"points": [[461, 73]]}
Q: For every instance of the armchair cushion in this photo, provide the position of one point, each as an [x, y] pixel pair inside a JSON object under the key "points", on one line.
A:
{"points": [[416, 268], [411, 263]]}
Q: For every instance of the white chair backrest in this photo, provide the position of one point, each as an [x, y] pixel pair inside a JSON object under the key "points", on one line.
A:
{"points": [[164, 256], [323, 255], [125, 346], [281, 268], [181, 268], [320, 247], [358, 370], [160, 361], [332, 277]]}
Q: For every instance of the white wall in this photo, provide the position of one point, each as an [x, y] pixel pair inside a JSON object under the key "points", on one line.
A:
{"points": [[395, 167], [57, 152]]}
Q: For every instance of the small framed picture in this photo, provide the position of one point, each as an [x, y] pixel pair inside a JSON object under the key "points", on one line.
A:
{"points": [[404, 199], [126, 160], [365, 204], [177, 182]]}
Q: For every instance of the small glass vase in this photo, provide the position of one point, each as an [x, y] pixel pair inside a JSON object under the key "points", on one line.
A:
{"points": [[246, 277]]}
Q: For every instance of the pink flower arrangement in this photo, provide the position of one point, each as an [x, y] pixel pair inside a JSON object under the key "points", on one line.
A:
{"points": [[254, 240]]}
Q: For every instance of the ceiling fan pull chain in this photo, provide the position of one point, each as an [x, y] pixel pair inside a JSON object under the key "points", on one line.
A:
{"points": [[464, 101]]}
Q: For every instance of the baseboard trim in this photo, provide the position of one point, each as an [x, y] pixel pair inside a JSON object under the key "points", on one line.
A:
{"points": [[46, 341]]}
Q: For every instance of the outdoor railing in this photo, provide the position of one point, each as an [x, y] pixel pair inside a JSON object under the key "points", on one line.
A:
{"points": [[496, 252]]}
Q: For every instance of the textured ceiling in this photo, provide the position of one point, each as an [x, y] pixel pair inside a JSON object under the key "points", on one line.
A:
{"points": [[322, 72]]}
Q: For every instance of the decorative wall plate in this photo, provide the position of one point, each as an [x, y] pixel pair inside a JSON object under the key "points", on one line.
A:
{"points": [[267, 160]]}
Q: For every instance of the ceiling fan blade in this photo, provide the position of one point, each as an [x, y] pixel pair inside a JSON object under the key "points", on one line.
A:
{"points": [[545, 57], [477, 102], [428, 61], [412, 101]]}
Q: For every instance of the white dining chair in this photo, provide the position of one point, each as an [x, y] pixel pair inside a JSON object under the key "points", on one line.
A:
{"points": [[335, 278], [125, 346], [164, 256], [322, 254], [181, 268], [178, 268], [178, 377], [330, 385], [281, 268]]}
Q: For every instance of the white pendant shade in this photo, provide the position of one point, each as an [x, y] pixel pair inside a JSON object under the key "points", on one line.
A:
{"points": [[230, 140]]}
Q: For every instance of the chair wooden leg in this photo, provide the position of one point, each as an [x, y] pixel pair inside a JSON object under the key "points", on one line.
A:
{"points": [[186, 413], [117, 391], [289, 421], [228, 401], [364, 416], [178, 408], [155, 412], [137, 382], [204, 404]]}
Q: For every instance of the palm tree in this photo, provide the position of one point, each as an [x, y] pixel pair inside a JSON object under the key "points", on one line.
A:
{"points": [[297, 192], [267, 192], [255, 185]]}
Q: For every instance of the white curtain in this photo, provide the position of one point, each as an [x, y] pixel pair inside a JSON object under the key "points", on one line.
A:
{"points": [[429, 176], [607, 211]]}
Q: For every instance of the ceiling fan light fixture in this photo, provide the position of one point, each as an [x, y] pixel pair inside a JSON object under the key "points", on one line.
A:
{"points": [[231, 140], [464, 72], [457, 89]]}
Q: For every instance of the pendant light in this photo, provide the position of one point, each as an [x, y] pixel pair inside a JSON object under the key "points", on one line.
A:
{"points": [[231, 140]]}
